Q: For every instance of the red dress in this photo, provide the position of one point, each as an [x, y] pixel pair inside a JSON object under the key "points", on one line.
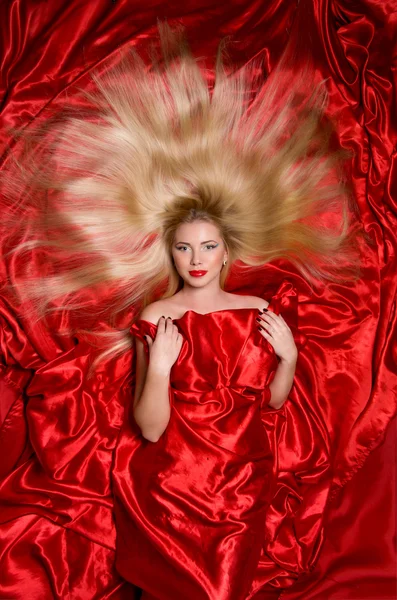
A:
{"points": [[190, 509]]}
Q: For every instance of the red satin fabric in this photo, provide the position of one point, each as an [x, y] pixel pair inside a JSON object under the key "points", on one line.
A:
{"points": [[60, 430], [191, 508], [357, 559]]}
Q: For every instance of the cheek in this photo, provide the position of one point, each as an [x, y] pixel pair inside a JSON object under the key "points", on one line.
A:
{"points": [[216, 257], [180, 258]]}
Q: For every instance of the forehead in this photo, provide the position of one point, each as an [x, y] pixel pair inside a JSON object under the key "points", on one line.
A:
{"points": [[197, 231]]}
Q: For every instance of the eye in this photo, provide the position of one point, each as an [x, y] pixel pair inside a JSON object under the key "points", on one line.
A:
{"points": [[210, 246], [181, 247]]}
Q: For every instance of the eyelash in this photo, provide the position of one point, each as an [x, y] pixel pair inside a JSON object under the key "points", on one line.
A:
{"points": [[206, 246]]}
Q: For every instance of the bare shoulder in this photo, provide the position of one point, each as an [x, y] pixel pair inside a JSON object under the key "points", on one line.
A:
{"points": [[152, 312], [255, 302]]}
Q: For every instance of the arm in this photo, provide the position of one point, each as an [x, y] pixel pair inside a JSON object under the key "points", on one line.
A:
{"points": [[152, 408], [276, 331], [282, 382], [151, 402]]}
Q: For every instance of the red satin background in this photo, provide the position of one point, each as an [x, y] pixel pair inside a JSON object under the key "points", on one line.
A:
{"points": [[60, 429]]}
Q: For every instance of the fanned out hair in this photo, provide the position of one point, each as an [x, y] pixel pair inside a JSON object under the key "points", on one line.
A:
{"points": [[102, 191]]}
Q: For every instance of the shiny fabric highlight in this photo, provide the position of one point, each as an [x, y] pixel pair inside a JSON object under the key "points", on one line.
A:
{"points": [[196, 500], [330, 442]]}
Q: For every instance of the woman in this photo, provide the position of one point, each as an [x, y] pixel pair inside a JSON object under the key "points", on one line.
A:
{"points": [[201, 292], [193, 484]]}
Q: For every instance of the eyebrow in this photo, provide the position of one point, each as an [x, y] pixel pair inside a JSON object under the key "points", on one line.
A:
{"points": [[187, 243]]}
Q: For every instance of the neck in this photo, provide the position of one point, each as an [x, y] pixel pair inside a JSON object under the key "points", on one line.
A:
{"points": [[203, 296]]}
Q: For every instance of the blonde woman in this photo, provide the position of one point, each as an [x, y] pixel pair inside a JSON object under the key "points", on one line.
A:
{"points": [[195, 476], [153, 196]]}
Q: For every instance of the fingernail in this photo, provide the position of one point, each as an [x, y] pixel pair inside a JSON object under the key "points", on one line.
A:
{"points": [[258, 319], [260, 327], [265, 309]]}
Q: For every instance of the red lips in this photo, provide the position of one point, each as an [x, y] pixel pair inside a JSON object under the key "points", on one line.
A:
{"points": [[197, 273]]}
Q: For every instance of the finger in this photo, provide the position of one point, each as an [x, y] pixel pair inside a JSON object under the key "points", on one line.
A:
{"points": [[264, 328], [149, 340], [267, 336], [272, 325], [175, 331], [269, 329], [161, 325], [271, 316], [169, 325], [264, 315], [277, 322]]}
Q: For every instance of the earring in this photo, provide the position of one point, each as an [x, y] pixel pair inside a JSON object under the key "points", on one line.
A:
{"points": [[224, 262]]}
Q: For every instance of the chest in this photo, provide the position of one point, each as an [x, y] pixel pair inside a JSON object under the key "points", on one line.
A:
{"points": [[213, 357]]}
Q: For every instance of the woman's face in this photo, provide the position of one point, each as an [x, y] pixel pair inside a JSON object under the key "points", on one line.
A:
{"points": [[198, 252]]}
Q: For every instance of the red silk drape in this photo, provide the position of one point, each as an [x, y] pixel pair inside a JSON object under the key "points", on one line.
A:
{"points": [[60, 430]]}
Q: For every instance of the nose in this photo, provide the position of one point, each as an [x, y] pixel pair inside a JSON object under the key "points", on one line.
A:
{"points": [[195, 260]]}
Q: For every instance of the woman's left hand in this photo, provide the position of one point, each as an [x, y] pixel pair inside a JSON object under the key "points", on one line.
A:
{"points": [[276, 331]]}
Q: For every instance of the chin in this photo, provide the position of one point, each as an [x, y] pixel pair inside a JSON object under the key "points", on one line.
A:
{"points": [[196, 281]]}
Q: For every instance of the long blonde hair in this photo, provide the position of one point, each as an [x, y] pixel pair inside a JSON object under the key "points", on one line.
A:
{"points": [[103, 190]]}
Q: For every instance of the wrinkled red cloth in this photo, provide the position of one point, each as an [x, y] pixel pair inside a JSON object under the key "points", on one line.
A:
{"points": [[357, 559], [191, 508], [60, 430]]}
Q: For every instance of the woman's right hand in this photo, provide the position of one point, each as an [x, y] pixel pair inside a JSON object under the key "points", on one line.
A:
{"points": [[165, 348]]}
